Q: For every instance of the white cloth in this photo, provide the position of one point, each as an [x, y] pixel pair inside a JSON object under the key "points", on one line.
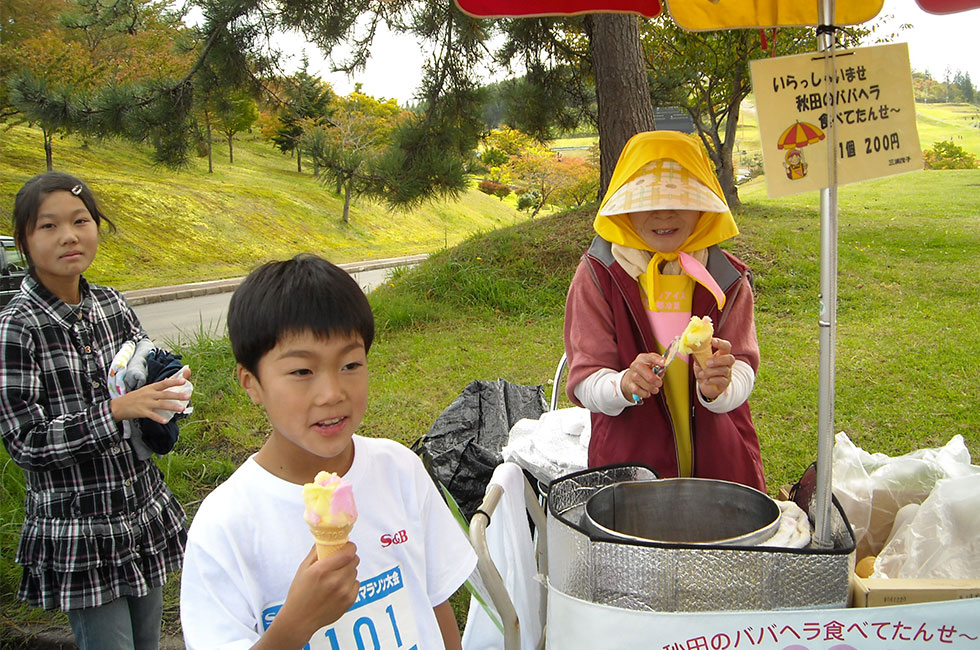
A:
{"points": [[249, 537], [794, 527], [512, 551], [554, 445], [601, 392]]}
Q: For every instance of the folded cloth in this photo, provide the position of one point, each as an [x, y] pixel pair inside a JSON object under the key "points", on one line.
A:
{"points": [[115, 380], [161, 438], [136, 368], [794, 527]]}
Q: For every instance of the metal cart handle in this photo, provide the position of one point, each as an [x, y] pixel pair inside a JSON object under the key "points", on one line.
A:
{"points": [[488, 570], [556, 384]]}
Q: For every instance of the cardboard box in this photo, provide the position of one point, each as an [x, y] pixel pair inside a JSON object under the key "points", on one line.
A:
{"points": [[877, 592]]}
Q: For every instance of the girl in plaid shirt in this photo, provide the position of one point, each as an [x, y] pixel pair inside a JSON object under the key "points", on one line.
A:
{"points": [[101, 529]]}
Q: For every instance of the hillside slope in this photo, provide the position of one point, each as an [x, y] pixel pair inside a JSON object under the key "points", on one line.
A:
{"points": [[188, 225]]}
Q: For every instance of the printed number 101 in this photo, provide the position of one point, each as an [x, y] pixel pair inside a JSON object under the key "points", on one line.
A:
{"points": [[366, 634]]}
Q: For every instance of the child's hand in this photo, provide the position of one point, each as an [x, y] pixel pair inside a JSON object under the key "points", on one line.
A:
{"points": [[321, 591], [640, 380], [715, 379], [143, 402]]}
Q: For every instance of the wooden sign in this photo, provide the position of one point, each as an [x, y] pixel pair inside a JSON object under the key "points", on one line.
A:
{"points": [[864, 95]]}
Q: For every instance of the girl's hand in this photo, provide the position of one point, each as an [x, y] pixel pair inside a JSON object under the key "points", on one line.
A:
{"points": [[715, 379], [639, 379], [143, 402]]}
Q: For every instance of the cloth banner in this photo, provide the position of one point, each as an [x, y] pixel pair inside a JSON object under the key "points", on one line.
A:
{"points": [[872, 110], [951, 625], [947, 6], [702, 15]]}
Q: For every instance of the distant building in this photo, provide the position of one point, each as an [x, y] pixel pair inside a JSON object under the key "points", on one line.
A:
{"points": [[672, 118]]}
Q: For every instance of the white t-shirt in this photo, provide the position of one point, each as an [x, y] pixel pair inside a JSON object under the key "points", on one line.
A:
{"points": [[249, 537]]}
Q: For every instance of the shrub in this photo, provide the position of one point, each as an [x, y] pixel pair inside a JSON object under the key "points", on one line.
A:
{"points": [[494, 189], [493, 157], [753, 166], [528, 200], [947, 155], [501, 191]]}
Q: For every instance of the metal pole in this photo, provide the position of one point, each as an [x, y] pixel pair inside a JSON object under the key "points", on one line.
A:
{"points": [[828, 296]]}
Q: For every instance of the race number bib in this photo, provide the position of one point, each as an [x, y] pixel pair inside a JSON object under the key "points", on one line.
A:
{"points": [[381, 618]]}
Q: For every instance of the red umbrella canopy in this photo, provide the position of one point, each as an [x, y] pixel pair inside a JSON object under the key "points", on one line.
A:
{"points": [[947, 6], [528, 8]]}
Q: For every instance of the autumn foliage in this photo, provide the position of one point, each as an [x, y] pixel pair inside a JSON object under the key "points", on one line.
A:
{"points": [[947, 155]]}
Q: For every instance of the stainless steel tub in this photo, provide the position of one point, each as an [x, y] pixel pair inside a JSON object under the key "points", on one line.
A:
{"points": [[683, 510], [684, 577]]}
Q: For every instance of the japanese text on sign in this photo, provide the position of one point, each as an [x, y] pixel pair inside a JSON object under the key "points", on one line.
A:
{"points": [[860, 109]]}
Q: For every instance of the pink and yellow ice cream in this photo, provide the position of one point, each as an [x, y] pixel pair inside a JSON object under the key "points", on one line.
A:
{"points": [[330, 512], [696, 339]]}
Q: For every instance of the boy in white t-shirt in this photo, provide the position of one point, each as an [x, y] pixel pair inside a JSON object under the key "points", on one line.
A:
{"points": [[300, 331]]}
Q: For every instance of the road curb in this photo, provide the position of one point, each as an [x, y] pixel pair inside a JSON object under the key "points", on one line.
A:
{"points": [[181, 291]]}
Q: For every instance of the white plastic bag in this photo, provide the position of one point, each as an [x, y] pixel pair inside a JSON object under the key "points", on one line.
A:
{"points": [[554, 445], [942, 538], [871, 488]]}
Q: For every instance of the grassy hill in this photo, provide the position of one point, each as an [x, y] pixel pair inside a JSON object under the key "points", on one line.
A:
{"points": [[189, 225]]}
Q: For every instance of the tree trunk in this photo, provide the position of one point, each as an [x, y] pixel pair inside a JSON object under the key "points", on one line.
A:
{"points": [[299, 160], [720, 151], [726, 171], [347, 202], [210, 159], [48, 154], [622, 90], [231, 149]]}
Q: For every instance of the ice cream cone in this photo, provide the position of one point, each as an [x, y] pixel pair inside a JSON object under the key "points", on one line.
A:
{"points": [[330, 512], [696, 339], [703, 353], [329, 539]]}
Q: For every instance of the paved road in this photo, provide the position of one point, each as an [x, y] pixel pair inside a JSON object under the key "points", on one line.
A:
{"points": [[176, 314]]}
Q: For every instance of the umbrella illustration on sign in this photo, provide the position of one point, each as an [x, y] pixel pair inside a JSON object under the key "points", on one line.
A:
{"points": [[793, 139]]}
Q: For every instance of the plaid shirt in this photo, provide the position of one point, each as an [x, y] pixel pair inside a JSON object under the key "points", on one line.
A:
{"points": [[99, 523]]}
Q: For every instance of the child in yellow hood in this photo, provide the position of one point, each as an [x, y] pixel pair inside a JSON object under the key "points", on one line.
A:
{"points": [[653, 264]]}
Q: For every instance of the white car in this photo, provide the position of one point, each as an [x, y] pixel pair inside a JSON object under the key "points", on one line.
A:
{"points": [[12, 269]]}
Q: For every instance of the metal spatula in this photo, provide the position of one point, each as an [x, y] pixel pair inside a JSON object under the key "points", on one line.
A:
{"points": [[669, 355]]}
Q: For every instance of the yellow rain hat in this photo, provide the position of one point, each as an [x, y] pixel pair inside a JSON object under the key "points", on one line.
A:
{"points": [[663, 185], [634, 186]]}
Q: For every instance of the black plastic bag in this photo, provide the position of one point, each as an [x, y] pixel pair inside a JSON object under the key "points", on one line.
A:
{"points": [[462, 447]]}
